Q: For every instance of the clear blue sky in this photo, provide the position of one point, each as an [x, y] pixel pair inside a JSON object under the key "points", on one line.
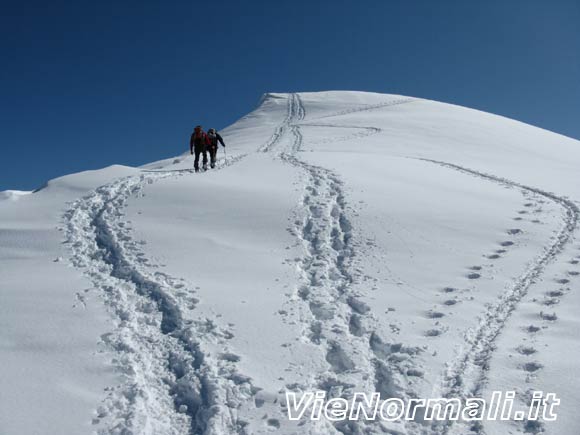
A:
{"points": [[85, 84]]}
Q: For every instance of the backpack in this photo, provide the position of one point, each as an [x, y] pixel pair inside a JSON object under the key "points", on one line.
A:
{"points": [[199, 137], [212, 137]]}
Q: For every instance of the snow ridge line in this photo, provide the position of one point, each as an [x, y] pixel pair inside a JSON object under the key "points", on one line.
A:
{"points": [[173, 385], [359, 358], [473, 361], [369, 107]]}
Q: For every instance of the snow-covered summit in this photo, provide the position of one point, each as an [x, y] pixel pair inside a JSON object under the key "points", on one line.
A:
{"points": [[350, 242]]}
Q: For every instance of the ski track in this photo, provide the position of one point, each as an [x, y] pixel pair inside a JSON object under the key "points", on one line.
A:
{"points": [[280, 131], [172, 383], [335, 317], [465, 376], [366, 131], [369, 107]]}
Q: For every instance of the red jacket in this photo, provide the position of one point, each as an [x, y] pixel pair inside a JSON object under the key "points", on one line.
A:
{"points": [[198, 139]]}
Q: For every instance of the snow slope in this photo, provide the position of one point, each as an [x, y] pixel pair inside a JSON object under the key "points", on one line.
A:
{"points": [[350, 242]]}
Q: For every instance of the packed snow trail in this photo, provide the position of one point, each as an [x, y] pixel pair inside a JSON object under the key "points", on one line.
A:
{"points": [[281, 129], [333, 314], [173, 384], [360, 134], [368, 107], [326, 278], [465, 376]]}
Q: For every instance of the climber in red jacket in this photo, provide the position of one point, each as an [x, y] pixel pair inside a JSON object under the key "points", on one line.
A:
{"points": [[199, 143]]}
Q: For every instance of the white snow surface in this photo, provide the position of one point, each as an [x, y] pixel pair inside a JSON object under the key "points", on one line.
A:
{"points": [[350, 242]]}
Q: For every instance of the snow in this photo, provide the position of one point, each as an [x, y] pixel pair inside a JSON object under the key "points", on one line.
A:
{"points": [[350, 242], [13, 195]]}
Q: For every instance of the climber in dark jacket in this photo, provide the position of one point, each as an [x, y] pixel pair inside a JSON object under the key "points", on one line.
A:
{"points": [[199, 143], [214, 138]]}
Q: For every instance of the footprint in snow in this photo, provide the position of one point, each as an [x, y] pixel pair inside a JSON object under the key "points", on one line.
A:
{"points": [[434, 314], [532, 367], [338, 359], [526, 350], [528, 204], [449, 290], [355, 326], [518, 218], [532, 329], [573, 273], [321, 311], [450, 302], [551, 301], [574, 262], [475, 268], [433, 333], [514, 231], [555, 293], [358, 306], [507, 243], [551, 317], [473, 275], [563, 281], [534, 427], [416, 373], [522, 212], [274, 423], [230, 357], [494, 256]]}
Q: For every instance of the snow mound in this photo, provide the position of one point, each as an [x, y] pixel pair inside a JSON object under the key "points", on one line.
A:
{"points": [[13, 195]]}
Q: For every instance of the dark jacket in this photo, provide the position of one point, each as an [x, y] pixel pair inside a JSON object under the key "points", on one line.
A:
{"points": [[215, 139], [199, 140]]}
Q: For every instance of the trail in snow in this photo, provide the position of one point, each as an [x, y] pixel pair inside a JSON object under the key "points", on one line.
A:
{"points": [[281, 129], [362, 133], [465, 376], [368, 107], [334, 316], [173, 385]]}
